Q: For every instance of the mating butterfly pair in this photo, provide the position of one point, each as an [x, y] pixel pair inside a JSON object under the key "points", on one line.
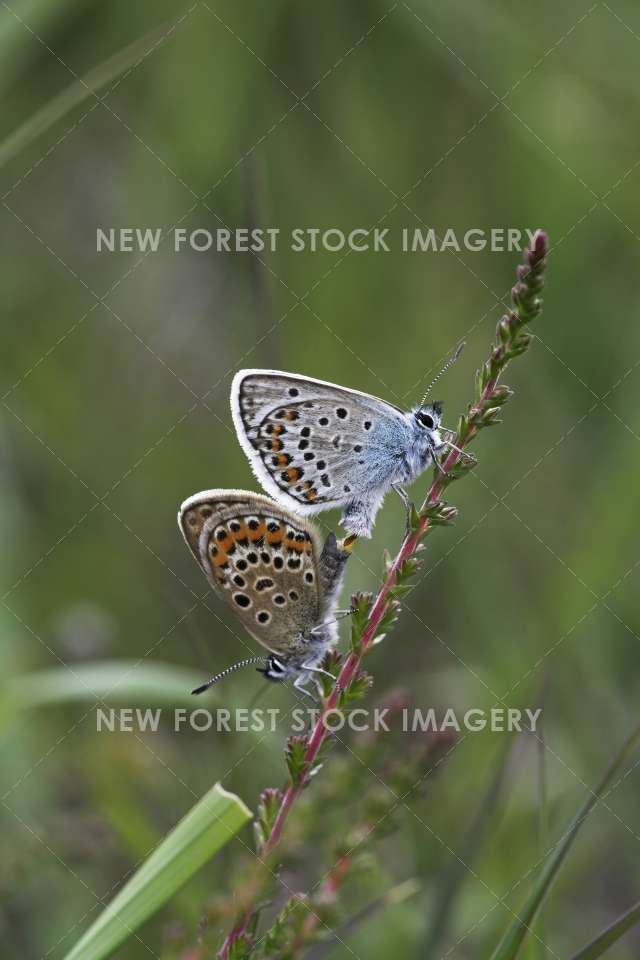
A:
{"points": [[313, 446]]}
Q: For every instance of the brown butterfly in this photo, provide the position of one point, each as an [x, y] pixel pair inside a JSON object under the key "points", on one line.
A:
{"points": [[272, 570]]}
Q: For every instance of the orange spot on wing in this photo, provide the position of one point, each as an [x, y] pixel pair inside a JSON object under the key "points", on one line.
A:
{"points": [[294, 545], [292, 474], [258, 532], [311, 494]]}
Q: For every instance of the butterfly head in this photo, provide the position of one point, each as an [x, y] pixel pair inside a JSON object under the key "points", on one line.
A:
{"points": [[426, 419], [274, 669], [429, 416]]}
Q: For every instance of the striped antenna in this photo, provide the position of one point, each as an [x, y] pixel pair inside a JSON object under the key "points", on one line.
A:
{"points": [[452, 359], [224, 673]]}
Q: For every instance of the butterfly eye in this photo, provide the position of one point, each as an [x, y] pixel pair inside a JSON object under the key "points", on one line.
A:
{"points": [[426, 420]]}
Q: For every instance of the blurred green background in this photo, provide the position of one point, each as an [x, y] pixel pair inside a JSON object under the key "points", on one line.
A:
{"points": [[116, 371]]}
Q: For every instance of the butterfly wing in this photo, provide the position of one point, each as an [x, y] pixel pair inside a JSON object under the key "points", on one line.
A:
{"points": [[260, 559], [309, 442]]}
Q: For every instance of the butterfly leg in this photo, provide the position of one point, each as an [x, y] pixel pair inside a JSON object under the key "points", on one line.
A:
{"points": [[358, 516], [407, 503], [337, 615], [325, 673], [300, 684]]}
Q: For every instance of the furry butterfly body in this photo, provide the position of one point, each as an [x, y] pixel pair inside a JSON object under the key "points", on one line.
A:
{"points": [[271, 568], [314, 445]]}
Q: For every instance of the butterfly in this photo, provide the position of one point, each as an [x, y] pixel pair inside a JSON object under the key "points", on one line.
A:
{"points": [[273, 571], [315, 445]]}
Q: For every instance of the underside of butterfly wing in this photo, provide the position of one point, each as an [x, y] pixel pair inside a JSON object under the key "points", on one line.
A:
{"points": [[261, 560], [316, 445]]}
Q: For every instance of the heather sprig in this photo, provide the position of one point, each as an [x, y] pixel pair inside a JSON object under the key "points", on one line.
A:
{"points": [[372, 619], [341, 820]]}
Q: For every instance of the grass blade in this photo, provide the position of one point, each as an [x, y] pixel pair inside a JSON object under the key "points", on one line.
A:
{"points": [[543, 816], [520, 926], [608, 937], [116, 681], [211, 823], [391, 898], [456, 873], [84, 88]]}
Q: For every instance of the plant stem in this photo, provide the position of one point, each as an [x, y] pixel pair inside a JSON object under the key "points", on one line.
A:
{"points": [[510, 342]]}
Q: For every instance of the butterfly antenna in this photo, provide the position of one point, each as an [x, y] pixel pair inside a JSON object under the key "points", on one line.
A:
{"points": [[339, 615], [453, 447], [452, 359], [224, 673]]}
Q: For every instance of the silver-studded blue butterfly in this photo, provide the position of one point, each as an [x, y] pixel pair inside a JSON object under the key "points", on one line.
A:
{"points": [[272, 570], [315, 445]]}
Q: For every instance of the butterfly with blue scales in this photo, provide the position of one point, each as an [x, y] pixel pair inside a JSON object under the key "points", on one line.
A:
{"points": [[315, 445]]}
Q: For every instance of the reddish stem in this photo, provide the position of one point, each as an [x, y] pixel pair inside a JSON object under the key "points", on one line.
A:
{"points": [[526, 306], [353, 661]]}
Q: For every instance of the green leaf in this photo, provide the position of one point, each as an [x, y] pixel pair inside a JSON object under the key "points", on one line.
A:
{"points": [[361, 604], [400, 590], [357, 689], [82, 89], [270, 800], [209, 825], [461, 467], [295, 755], [520, 926], [115, 681], [439, 513], [611, 935], [414, 519], [388, 619]]}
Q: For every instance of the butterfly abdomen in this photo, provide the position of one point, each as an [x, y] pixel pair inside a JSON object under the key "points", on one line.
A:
{"points": [[332, 565]]}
